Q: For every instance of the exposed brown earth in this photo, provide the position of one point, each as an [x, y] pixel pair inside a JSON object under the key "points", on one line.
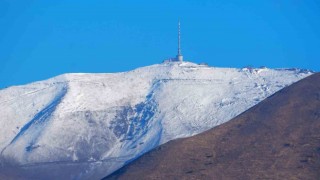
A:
{"points": [[277, 139]]}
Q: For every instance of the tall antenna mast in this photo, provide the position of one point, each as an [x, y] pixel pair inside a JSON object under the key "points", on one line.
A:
{"points": [[179, 48], [179, 55]]}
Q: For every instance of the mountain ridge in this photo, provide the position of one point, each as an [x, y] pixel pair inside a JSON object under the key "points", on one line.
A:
{"points": [[275, 139], [105, 120]]}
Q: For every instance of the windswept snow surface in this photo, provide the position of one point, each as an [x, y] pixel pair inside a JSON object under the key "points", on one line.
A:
{"points": [[86, 126]]}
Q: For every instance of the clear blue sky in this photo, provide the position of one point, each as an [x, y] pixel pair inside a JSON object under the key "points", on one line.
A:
{"points": [[41, 39]]}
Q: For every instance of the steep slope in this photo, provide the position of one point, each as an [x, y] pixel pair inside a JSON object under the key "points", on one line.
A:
{"points": [[277, 139], [86, 126]]}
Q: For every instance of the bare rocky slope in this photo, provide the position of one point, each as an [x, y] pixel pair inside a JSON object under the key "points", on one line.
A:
{"points": [[277, 139]]}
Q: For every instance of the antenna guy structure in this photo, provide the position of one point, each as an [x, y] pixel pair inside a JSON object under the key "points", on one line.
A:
{"points": [[179, 57]]}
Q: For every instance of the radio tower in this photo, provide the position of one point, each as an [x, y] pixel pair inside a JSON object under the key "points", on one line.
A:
{"points": [[179, 56]]}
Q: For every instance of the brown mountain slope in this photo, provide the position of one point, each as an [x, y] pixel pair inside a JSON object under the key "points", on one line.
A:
{"points": [[277, 139]]}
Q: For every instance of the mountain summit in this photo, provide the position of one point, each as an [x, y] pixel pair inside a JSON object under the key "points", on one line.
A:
{"points": [[86, 126]]}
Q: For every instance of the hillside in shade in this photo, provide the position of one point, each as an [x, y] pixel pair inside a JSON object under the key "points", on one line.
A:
{"points": [[277, 139]]}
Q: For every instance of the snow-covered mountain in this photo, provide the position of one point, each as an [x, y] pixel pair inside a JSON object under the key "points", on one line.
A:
{"points": [[86, 126]]}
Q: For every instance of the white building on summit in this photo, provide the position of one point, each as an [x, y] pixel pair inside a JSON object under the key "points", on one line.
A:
{"points": [[179, 57]]}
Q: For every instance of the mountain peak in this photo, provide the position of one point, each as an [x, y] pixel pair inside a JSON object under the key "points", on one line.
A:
{"points": [[96, 123]]}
